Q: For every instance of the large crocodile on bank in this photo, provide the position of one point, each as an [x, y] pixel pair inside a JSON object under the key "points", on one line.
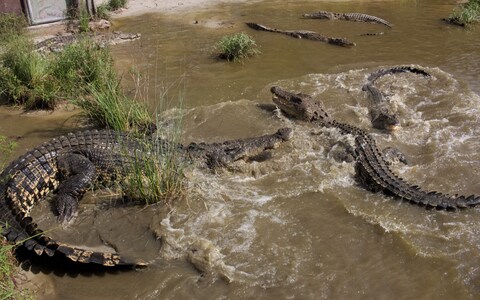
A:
{"points": [[59, 42], [371, 169], [70, 164], [357, 17], [305, 34], [381, 114]]}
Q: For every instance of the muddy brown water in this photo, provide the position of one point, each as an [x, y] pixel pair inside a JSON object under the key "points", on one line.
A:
{"points": [[296, 226]]}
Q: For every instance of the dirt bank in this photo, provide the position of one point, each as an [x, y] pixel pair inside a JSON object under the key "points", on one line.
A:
{"points": [[138, 7]]}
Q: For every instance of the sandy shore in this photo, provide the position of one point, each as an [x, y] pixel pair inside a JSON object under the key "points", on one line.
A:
{"points": [[139, 7]]}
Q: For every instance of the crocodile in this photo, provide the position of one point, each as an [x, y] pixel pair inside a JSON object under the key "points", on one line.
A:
{"points": [[59, 42], [305, 34], [372, 33], [357, 17], [371, 170], [70, 164], [380, 113]]}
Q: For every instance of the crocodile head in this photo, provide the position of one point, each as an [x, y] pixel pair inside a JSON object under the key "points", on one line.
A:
{"points": [[385, 120], [299, 106], [340, 42]]}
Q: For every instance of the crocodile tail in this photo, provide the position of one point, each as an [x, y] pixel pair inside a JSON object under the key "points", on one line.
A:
{"points": [[107, 259], [394, 70], [377, 176], [23, 231]]}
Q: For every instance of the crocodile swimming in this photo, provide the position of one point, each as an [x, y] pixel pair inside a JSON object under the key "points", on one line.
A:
{"points": [[372, 33], [371, 170], [380, 112], [70, 164], [59, 42], [305, 34], [357, 17]]}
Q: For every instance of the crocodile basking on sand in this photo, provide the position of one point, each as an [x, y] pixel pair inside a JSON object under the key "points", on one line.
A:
{"points": [[380, 112], [70, 164], [371, 169], [305, 34], [356, 17], [59, 42]]}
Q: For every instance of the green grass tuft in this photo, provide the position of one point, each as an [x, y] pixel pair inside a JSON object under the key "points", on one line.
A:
{"points": [[7, 286], [107, 106], [116, 4], [102, 12], [11, 25], [236, 47], [6, 149], [158, 177], [80, 65], [466, 14], [25, 78]]}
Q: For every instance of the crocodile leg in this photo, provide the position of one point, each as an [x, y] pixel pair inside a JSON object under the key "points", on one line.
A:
{"points": [[80, 172]]}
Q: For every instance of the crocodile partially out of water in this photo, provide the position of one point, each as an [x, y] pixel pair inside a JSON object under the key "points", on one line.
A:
{"points": [[357, 17], [72, 163], [380, 112], [395, 70], [59, 42], [371, 169], [305, 34]]}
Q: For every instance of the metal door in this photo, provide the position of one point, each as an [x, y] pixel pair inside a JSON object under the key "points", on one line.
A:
{"points": [[45, 11]]}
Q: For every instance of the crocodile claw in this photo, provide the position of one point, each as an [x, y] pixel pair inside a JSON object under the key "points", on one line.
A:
{"points": [[67, 208]]}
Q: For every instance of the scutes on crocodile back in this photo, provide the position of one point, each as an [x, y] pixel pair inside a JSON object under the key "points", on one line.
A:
{"points": [[376, 175], [394, 70], [26, 180]]}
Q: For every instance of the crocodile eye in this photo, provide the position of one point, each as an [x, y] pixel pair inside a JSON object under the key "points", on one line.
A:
{"points": [[297, 100]]}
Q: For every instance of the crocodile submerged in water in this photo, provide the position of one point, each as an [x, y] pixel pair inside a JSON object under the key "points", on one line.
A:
{"points": [[371, 169], [305, 34], [58, 43], [72, 163], [357, 17], [380, 113]]}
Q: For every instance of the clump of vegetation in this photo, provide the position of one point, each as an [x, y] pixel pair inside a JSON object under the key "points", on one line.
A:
{"points": [[6, 149], [84, 20], [108, 106], [111, 5], [158, 176], [102, 12], [11, 25], [237, 47], [82, 73], [38, 81], [7, 285], [116, 4], [25, 78], [82, 64], [468, 13]]}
